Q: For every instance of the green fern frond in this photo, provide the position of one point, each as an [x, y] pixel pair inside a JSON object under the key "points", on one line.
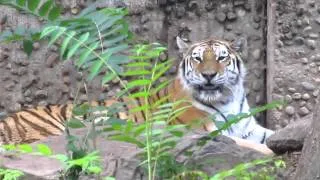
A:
{"points": [[45, 9]]}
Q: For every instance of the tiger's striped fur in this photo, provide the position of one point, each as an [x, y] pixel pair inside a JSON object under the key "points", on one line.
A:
{"points": [[37, 123], [213, 73], [210, 76]]}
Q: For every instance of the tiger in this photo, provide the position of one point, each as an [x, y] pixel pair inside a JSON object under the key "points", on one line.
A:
{"points": [[210, 76]]}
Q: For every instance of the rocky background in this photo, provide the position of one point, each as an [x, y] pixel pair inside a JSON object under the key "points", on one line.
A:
{"points": [[282, 57], [42, 79], [293, 59]]}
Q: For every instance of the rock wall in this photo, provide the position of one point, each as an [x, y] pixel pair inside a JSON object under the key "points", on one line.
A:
{"points": [[293, 59], [41, 79]]}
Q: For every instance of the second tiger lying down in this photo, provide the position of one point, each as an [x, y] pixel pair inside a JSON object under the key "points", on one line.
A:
{"points": [[210, 75]]}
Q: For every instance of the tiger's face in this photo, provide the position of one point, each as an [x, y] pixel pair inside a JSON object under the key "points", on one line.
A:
{"points": [[211, 70]]}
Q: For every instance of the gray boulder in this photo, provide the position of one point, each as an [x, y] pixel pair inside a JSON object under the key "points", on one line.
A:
{"points": [[290, 138], [120, 159]]}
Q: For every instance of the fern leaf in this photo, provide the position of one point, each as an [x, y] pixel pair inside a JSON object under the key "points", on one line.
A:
{"points": [[74, 48], [66, 41], [139, 64], [48, 30], [33, 4], [138, 83], [160, 86], [95, 69], [139, 109], [54, 13], [84, 55], [108, 77], [56, 34], [118, 59], [139, 95], [136, 72], [109, 23], [45, 7], [118, 48], [127, 139], [21, 2], [109, 42]]}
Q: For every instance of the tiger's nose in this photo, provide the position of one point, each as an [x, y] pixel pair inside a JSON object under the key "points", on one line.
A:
{"points": [[209, 76]]}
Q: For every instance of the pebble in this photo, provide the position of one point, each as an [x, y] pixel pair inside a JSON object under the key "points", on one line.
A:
{"points": [[296, 96], [304, 61], [231, 16], [299, 23], [36, 45], [229, 27], [277, 97], [310, 106], [256, 54], [302, 103], [311, 43], [241, 13], [43, 103], [221, 17], [74, 11], [315, 93], [308, 86], [256, 86], [27, 93], [239, 3], [10, 86], [306, 21], [14, 108], [180, 11], [317, 57], [306, 96], [299, 40], [289, 110], [41, 94], [318, 20], [288, 98], [28, 99], [52, 59], [303, 111], [313, 36], [258, 99], [67, 80], [292, 90], [307, 30]]}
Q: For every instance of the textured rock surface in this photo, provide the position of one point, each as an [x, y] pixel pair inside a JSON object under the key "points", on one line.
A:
{"points": [[309, 166], [290, 138], [219, 154], [151, 20], [293, 67], [120, 161]]}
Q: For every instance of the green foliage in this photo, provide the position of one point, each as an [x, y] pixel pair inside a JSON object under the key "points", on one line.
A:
{"points": [[97, 40], [89, 163], [241, 171], [233, 119], [10, 174], [45, 9]]}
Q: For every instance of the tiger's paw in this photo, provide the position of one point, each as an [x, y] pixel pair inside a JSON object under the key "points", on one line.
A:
{"points": [[262, 148]]}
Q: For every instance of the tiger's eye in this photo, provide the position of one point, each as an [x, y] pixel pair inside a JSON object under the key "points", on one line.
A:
{"points": [[220, 58], [198, 58]]}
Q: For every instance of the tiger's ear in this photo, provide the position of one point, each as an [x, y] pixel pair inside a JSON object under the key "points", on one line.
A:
{"points": [[182, 45], [239, 44]]}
